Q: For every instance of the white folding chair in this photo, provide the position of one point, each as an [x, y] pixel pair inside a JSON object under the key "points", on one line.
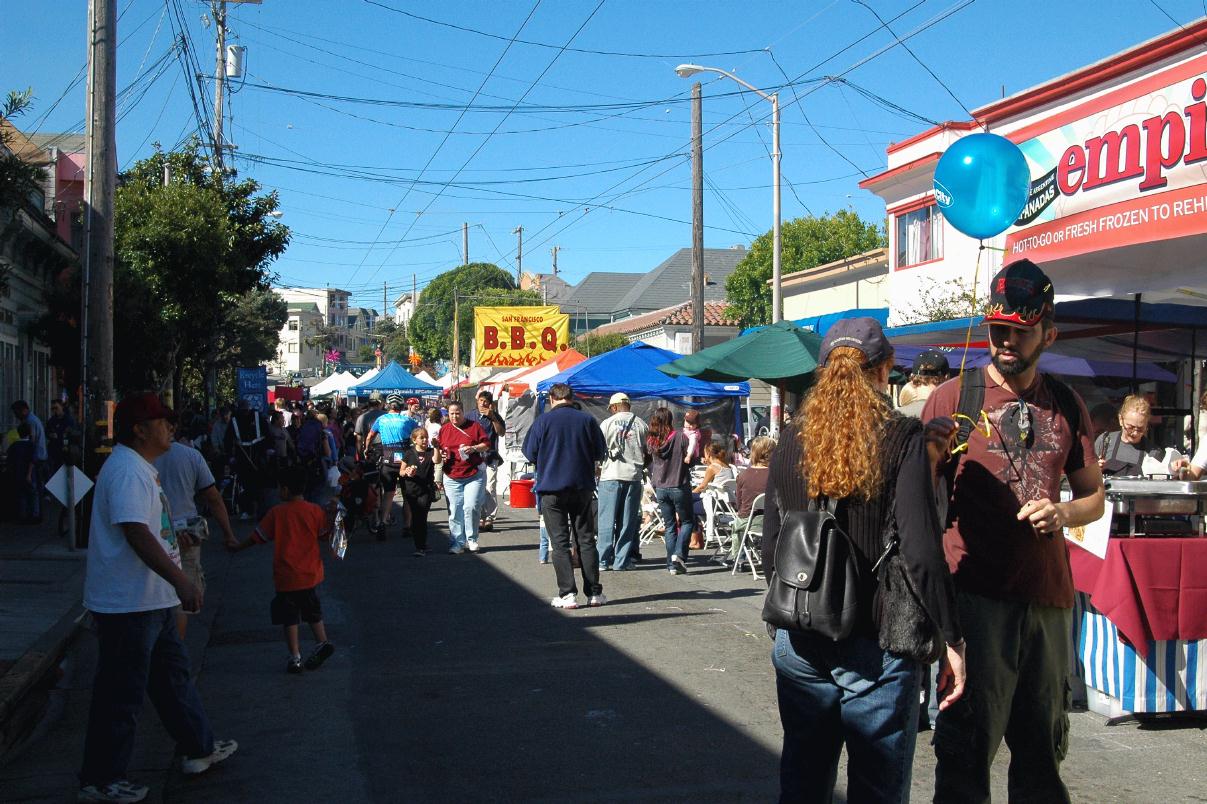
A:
{"points": [[720, 514], [652, 526], [751, 544]]}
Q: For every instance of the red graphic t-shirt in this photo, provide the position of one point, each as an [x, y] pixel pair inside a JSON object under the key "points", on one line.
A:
{"points": [[989, 551]]}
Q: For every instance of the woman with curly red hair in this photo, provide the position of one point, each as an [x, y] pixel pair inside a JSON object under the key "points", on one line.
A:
{"points": [[847, 444]]}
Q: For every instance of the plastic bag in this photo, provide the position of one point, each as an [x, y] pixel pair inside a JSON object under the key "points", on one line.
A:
{"points": [[339, 533]]}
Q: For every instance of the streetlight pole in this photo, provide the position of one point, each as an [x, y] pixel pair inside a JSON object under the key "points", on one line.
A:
{"points": [[777, 306]]}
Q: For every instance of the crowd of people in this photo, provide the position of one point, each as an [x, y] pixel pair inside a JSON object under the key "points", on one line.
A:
{"points": [[958, 484]]}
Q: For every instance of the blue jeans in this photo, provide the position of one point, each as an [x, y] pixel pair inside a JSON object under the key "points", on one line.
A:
{"points": [[619, 515], [849, 692], [671, 503], [464, 507], [140, 654], [543, 550]]}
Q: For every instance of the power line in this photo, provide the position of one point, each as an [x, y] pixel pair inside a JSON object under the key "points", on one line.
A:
{"points": [[439, 147], [562, 49]]}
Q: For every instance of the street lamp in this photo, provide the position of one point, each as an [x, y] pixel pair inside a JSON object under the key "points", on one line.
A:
{"points": [[687, 71]]}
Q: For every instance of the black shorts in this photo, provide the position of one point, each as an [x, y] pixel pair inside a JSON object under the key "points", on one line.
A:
{"points": [[288, 608]]}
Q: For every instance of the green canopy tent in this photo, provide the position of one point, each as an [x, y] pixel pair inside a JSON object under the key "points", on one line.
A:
{"points": [[782, 354]]}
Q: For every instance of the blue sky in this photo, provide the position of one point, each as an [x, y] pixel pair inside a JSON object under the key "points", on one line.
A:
{"points": [[578, 131]]}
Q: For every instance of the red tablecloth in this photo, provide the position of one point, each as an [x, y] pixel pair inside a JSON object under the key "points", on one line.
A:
{"points": [[1149, 588]]}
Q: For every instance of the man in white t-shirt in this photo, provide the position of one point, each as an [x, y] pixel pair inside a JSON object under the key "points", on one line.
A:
{"points": [[184, 475], [619, 488], [132, 584]]}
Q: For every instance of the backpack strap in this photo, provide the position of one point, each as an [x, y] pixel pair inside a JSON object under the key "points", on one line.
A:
{"points": [[972, 399]]}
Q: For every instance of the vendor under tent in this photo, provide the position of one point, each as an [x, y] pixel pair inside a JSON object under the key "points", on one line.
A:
{"points": [[392, 379]]}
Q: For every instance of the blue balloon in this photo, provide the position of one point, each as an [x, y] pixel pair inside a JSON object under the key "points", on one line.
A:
{"points": [[981, 184]]}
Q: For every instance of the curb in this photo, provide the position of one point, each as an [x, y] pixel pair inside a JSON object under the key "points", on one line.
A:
{"points": [[31, 668]]}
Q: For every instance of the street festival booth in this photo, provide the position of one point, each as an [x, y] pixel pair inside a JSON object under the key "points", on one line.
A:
{"points": [[1115, 213], [633, 369], [334, 385], [1141, 572], [393, 379]]}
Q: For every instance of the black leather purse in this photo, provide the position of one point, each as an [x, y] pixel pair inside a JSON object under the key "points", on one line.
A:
{"points": [[905, 626], [815, 585]]}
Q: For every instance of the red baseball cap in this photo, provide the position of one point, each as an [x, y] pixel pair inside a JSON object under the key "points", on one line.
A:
{"points": [[139, 408], [413, 401]]}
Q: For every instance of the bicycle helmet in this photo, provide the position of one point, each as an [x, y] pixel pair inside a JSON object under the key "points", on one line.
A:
{"points": [[394, 399]]}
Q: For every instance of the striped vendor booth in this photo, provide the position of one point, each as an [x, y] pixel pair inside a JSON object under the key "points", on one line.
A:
{"points": [[1168, 675], [1140, 625]]}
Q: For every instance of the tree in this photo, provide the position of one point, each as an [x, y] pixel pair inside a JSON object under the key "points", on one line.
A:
{"points": [[19, 178], [478, 284], [188, 254], [944, 301], [592, 344], [806, 243], [394, 342]]}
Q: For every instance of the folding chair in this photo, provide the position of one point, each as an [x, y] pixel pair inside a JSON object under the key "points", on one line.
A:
{"points": [[751, 545], [719, 515], [653, 527]]}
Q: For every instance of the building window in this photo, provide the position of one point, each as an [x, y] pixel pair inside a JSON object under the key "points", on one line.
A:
{"points": [[293, 326], [293, 348], [919, 236]]}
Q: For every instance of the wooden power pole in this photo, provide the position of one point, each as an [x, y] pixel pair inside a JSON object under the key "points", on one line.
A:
{"points": [[697, 221], [465, 242], [519, 255]]}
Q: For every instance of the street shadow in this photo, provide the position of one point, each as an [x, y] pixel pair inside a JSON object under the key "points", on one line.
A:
{"points": [[461, 683]]}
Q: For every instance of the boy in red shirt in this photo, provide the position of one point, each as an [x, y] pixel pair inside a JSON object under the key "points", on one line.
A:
{"points": [[295, 528]]}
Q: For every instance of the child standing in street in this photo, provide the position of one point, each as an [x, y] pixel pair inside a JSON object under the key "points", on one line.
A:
{"points": [[21, 469], [418, 475], [295, 528]]}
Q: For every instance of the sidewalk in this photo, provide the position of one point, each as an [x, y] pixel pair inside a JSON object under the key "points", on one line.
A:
{"points": [[41, 586]]}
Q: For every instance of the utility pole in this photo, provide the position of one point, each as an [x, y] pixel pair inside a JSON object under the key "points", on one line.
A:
{"points": [[456, 337], [100, 183], [519, 254], [554, 252], [219, 12], [465, 242], [697, 221]]}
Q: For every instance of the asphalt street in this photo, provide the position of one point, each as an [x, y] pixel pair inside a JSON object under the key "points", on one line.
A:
{"points": [[454, 680]]}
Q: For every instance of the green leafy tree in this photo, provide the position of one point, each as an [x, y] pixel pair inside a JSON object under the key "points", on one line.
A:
{"points": [[393, 339], [592, 344], [19, 177], [186, 252], [806, 243], [478, 284]]}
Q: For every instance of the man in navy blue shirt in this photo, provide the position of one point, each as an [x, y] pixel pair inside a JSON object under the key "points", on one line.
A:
{"points": [[565, 444]]}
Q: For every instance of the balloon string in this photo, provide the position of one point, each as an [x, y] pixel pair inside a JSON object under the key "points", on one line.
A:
{"points": [[976, 278]]}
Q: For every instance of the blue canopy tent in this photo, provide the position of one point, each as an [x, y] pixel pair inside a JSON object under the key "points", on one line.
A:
{"points": [[821, 323], [633, 369], [394, 379]]}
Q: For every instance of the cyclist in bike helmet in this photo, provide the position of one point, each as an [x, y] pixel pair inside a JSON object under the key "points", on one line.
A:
{"points": [[393, 430]]}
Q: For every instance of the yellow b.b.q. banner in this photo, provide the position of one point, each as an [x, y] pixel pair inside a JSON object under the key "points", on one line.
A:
{"points": [[519, 336]]}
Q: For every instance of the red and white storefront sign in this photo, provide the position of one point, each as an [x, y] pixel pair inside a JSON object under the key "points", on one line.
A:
{"points": [[1124, 168]]}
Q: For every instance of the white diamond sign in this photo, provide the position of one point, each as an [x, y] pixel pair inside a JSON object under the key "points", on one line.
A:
{"points": [[57, 485]]}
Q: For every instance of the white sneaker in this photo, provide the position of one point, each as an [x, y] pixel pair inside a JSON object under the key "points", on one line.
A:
{"points": [[222, 750], [120, 791], [679, 564], [569, 601], [597, 600], [473, 546], [456, 550]]}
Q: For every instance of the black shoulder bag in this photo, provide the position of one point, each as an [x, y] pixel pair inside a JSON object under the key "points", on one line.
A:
{"points": [[815, 586], [904, 625]]}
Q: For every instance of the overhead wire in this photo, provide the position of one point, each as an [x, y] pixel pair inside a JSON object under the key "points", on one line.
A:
{"points": [[500, 37], [440, 147]]}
